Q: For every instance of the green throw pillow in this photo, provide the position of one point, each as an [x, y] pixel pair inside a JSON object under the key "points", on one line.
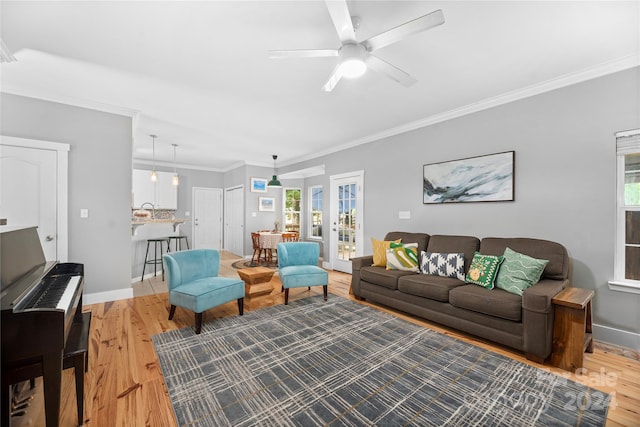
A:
{"points": [[483, 270], [519, 271], [402, 257]]}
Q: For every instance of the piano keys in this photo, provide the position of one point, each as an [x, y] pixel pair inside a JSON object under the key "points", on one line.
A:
{"points": [[40, 303]]}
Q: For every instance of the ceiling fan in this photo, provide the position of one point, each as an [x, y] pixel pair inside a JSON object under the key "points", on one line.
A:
{"points": [[355, 57]]}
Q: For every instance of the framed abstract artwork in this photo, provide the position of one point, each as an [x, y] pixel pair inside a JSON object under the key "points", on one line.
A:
{"points": [[487, 178], [258, 185]]}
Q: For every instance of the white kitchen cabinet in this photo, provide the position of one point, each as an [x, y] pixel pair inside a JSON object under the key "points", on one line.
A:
{"points": [[162, 193], [166, 192]]}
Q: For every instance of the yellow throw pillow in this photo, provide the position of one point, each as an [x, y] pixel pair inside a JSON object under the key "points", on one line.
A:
{"points": [[380, 251]]}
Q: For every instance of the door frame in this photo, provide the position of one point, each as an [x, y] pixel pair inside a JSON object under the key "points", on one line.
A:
{"points": [[62, 187], [357, 176], [226, 215]]}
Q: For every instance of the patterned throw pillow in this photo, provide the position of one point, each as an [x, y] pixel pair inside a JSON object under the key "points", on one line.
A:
{"points": [[483, 270], [441, 264], [519, 271], [402, 257], [380, 251]]}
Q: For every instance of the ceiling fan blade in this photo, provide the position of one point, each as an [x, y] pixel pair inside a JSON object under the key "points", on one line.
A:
{"points": [[390, 71], [341, 18], [398, 33], [333, 80], [302, 53]]}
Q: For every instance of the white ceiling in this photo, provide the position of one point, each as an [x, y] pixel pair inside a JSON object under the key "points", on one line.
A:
{"points": [[197, 73]]}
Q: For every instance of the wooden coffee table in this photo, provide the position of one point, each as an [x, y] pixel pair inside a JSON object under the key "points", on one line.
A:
{"points": [[257, 281]]}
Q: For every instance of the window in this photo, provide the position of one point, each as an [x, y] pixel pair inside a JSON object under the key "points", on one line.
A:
{"points": [[627, 261], [292, 209], [315, 212]]}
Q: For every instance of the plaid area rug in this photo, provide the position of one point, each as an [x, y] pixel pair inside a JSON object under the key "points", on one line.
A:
{"points": [[343, 363]]}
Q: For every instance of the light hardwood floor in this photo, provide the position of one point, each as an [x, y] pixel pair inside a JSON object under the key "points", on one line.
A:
{"points": [[124, 385]]}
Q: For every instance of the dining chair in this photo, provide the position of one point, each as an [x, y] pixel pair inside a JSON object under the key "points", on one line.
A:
{"points": [[290, 237], [257, 250]]}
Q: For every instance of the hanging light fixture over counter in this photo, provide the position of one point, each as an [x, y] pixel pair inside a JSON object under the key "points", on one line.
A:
{"points": [[154, 174], [175, 180], [274, 183]]}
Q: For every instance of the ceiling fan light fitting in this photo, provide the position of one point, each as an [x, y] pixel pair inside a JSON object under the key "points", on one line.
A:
{"points": [[352, 60], [353, 68]]}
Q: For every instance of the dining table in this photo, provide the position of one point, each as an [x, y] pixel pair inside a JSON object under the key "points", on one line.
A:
{"points": [[269, 241]]}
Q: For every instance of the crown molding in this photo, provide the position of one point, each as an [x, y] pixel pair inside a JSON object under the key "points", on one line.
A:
{"points": [[606, 68]]}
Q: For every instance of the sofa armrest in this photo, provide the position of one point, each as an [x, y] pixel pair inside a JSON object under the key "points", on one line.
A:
{"points": [[538, 297], [356, 264], [361, 261], [537, 317]]}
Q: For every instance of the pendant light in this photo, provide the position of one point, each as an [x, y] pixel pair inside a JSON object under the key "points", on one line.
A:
{"points": [[175, 180], [154, 174], [274, 183]]}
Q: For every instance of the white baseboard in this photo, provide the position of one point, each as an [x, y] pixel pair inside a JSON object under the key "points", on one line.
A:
{"points": [[99, 297], [617, 337], [135, 280]]}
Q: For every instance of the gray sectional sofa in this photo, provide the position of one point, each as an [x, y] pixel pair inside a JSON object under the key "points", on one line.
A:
{"points": [[522, 322]]}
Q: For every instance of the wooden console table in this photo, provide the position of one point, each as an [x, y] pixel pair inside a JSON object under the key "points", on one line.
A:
{"points": [[257, 281], [572, 328]]}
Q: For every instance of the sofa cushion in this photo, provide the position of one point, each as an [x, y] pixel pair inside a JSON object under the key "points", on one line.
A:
{"points": [[493, 302], [519, 271], [382, 277], [483, 270], [403, 257], [428, 286], [442, 264], [558, 266], [467, 245], [420, 238], [380, 251]]}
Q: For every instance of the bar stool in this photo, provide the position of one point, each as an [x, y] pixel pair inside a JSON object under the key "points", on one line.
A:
{"points": [[156, 260], [178, 242]]}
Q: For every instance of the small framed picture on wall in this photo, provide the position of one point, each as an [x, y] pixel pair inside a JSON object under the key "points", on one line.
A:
{"points": [[266, 204], [258, 185]]}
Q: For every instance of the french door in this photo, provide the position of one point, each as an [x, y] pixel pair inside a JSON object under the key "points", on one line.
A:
{"points": [[347, 212]]}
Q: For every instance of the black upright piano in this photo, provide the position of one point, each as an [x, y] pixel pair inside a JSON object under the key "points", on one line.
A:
{"points": [[41, 303]]}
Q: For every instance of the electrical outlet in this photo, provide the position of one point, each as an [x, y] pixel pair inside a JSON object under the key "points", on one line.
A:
{"points": [[84, 213]]}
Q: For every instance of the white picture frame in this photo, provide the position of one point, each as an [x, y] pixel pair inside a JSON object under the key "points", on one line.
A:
{"points": [[258, 185], [266, 204]]}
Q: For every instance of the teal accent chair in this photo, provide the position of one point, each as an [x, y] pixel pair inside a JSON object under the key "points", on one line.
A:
{"points": [[298, 267], [194, 284]]}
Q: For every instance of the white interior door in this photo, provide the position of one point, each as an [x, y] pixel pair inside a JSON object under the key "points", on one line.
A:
{"points": [[347, 211], [207, 218], [234, 220], [28, 193]]}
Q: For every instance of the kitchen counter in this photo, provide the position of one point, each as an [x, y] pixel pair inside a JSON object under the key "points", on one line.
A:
{"points": [[176, 222]]}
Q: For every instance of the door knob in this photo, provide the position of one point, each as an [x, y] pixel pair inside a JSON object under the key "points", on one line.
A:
{"points": [[49, 238]]}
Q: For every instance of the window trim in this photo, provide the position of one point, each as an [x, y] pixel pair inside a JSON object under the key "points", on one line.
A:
{"points": [[309, 228], [619, 282], [284, 208]]}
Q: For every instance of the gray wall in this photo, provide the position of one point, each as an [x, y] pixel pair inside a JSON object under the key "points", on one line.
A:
{"points": [[564, 182], [99, 180]]}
